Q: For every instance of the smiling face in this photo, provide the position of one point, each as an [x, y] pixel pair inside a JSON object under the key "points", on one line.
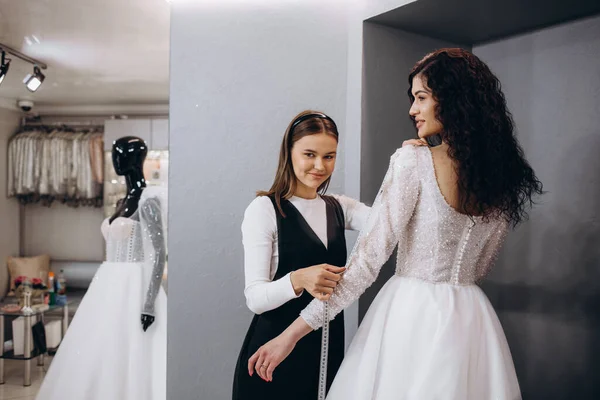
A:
{"points": [[422, 109], [313, 161]]}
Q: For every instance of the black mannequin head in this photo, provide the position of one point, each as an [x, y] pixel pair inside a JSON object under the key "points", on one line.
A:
{"points": [[128, 154]]}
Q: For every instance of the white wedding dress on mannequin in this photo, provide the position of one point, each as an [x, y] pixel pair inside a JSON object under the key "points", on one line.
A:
{"points": [[105, 354]]}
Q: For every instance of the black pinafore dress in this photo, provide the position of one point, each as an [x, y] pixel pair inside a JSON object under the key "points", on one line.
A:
{"points": [[297, 377]]}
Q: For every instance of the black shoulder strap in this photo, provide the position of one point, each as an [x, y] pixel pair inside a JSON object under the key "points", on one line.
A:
{"points": [[339, 211]]}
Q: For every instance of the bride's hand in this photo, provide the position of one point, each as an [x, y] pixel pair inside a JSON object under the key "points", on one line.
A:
{"points": [[415, 142], [270, 355]]}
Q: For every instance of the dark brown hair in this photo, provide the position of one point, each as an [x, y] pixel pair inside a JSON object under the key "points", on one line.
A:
{"points": [[494, 179], [306, 123]]}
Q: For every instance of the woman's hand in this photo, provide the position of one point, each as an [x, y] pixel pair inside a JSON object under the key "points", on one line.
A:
{"points": [[318, 280], [415, 142], [269, 356]]}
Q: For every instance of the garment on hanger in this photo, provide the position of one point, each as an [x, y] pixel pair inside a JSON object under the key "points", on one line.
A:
{"points": [[64, 164]]}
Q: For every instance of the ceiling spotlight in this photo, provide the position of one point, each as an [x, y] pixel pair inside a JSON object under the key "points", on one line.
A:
{"points": [[4, 67], [34, 81]]}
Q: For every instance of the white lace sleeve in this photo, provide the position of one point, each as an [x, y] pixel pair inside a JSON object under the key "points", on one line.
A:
{"points": [[491, 251], [153, 220], [391, 212]]}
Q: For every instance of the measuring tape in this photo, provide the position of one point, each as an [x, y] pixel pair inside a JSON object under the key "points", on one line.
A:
{"points": [[324, 352]]}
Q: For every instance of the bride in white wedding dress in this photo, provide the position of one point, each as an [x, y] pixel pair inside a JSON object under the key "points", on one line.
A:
{"points": [[431, 333], [116, 347]]}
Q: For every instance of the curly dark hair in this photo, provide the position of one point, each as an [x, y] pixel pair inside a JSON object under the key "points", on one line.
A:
{"points": [[494, 179]]}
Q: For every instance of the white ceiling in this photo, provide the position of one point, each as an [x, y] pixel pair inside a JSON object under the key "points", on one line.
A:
{"points": [[98, 52]]}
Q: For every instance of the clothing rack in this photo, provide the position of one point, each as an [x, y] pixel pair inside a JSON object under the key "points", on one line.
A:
{"points": [[73, 123], [56, 160], [65, 122]]}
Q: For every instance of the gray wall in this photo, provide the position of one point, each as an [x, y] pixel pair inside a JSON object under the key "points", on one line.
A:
{"points": [[546, 287], [9, 208], [388, 56], [63, 232], [239, 73]]}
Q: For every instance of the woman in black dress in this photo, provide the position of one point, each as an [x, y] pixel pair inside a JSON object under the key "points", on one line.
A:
{"points": [[289, 232]]}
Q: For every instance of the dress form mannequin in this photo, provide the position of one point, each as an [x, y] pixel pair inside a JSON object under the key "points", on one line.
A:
{"points": [[128, 155]]}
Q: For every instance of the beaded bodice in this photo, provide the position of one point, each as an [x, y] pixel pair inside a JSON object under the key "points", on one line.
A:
{"points": [[123, 238], [439, 244], [435, 242]]}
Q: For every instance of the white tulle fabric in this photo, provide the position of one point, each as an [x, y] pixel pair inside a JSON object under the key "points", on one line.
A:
{"points": [[105, 353], [431, 332]]}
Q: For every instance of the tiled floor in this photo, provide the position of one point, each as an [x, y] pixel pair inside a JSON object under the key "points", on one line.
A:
{"points": [[13, 388]]}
